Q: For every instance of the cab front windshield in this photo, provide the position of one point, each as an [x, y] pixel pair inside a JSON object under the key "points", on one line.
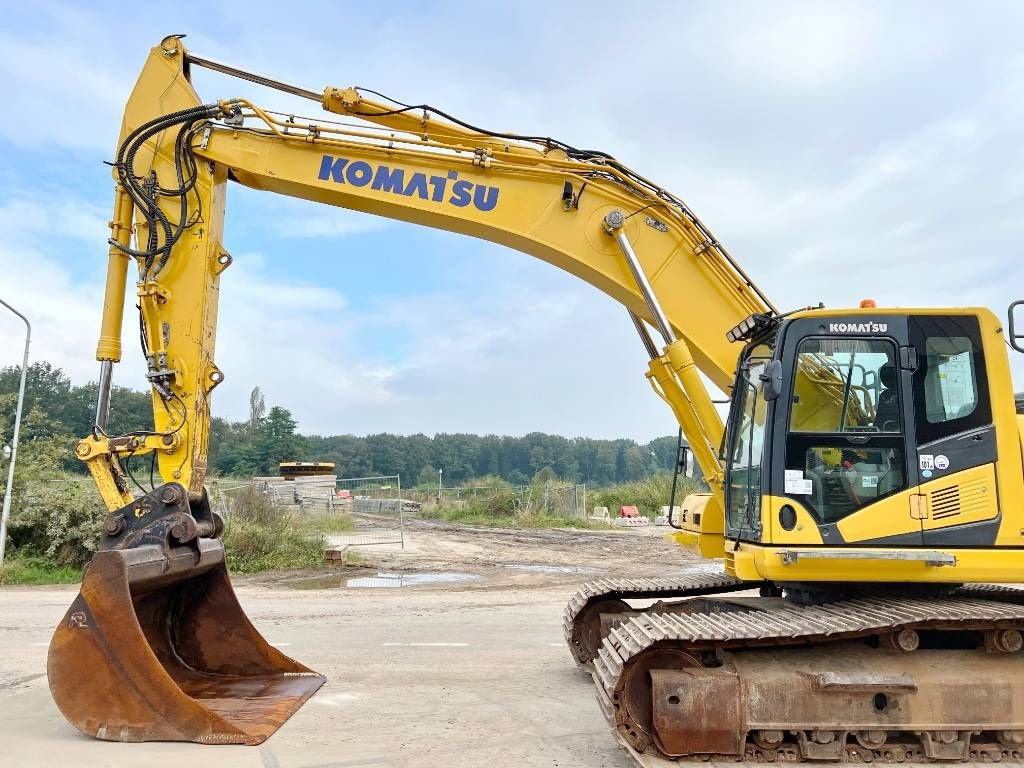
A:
{"points": [[746, 442]]}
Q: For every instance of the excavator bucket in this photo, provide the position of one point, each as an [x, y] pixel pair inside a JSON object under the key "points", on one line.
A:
{"points": [[157, 648]]}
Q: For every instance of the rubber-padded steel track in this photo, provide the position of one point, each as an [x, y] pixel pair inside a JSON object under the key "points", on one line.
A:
{"points": [[976, 606], [639, 589]]}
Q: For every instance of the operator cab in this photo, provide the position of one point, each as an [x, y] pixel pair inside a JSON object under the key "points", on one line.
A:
{"points": [[837, 421]]}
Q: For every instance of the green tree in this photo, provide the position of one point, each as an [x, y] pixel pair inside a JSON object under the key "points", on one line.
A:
{"points": [[544, 475], [257, 409], [58, 409], [277, 441], [427, 476], [664, 450]]}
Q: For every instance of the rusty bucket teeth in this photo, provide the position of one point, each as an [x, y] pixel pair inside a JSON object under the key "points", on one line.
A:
{"points": [[156, 648]]}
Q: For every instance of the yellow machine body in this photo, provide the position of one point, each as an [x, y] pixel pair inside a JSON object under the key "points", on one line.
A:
{"points": [[990, 492], [412, 166], [593, 217]]}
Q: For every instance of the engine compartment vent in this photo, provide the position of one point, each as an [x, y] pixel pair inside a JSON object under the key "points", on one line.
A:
{"points": [[944, 502]]}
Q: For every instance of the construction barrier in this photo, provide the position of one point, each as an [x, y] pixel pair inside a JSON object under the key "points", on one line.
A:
{"points": [[601, 515], [663, 517], [632, 522]]}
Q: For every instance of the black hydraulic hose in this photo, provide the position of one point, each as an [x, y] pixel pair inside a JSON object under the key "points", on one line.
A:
{"points": [[571, 151], [145, 199], [675, 477], [132, 144]]}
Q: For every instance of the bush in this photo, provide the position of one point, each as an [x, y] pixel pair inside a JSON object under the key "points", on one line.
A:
{"points": [[501, 504], [54, 514], [262, 537], [648, 496], [502, 510]]}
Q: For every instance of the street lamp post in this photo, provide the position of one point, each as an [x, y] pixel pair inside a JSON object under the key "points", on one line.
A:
{"points": [[439, 486], [17, 429]]}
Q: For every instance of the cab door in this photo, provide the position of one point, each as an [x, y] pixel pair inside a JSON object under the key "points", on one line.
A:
{"points": [[846, 443], [957, 498]]}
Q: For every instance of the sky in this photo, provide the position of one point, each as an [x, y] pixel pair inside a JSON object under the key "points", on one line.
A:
{"points": [[839, 150]]}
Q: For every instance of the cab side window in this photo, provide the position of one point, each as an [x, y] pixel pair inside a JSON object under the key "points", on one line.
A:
{"points": [[950, 384]]}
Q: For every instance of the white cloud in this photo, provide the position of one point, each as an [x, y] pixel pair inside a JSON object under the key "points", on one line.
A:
{"points": [[802, 45], [840, 151], [491, 361], [280, 298], [61, 96], [24, 215], [64, 312]]}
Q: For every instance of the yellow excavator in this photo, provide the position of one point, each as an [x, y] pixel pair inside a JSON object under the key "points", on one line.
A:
{"points": [[866, 489]]}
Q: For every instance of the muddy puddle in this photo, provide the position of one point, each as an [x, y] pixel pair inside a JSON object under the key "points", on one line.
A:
{"points": [[365, 579]]}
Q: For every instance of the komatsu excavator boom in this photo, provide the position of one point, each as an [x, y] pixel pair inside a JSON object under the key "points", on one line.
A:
{"points": [[870, 466]]}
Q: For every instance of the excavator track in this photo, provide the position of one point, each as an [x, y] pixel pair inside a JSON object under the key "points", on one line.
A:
{"points": [[581, 620], [877, 679]]}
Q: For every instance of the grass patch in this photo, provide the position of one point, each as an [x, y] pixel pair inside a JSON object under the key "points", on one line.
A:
{"points": [[262, 537], [37, 570], [334, 523], [648, 495], [471, 517], [502, 511], [252, 548]]}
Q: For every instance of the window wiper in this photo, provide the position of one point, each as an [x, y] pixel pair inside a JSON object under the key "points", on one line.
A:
{"points": [[846, 390]]}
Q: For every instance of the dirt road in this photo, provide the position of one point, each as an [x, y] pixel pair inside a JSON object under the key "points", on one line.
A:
{"points": [[465, 668]]}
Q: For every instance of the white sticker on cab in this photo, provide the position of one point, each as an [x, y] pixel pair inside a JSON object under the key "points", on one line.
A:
{"points": [[799, 487]]}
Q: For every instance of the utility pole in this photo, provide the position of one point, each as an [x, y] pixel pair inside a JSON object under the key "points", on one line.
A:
{"points": [[439, 486], [17, 429]]}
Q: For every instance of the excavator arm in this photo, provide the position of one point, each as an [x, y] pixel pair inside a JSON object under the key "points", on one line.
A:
{"points": [[579, 210], [156, 646], [824, 665]]}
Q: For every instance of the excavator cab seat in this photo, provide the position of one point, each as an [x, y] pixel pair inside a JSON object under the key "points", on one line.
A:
{"points": [[887, 412]]}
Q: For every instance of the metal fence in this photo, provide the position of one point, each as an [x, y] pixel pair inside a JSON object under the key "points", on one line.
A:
{"points": [[458, 495], [221, 492], [375, 507], [561, 500]]}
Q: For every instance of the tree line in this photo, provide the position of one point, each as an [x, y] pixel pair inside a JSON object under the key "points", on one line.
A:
{"points": [[57, 409]]}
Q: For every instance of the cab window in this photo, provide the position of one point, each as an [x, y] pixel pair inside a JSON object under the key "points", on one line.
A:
{"points": [[845, 448], [950, 384], [840, 479], [845, 385], [748, 426]]}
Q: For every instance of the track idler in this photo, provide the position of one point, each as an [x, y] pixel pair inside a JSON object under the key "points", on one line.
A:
{"points": [[156, 646]]}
